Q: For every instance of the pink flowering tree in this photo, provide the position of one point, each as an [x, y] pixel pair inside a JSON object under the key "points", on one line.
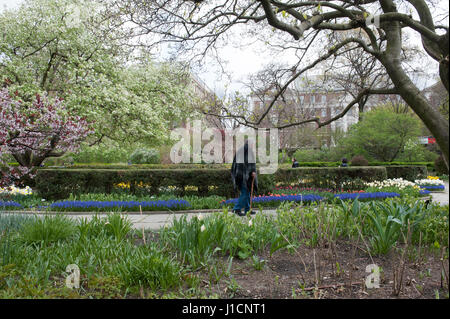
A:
{"points": [[33, 133]]}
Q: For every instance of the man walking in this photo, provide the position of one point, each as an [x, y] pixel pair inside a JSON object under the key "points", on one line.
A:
{"points": [[243, 175]]}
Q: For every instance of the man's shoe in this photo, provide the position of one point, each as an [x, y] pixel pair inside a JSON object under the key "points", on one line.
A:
{"points": [[252, 212], [237, 212], [241, 214]]}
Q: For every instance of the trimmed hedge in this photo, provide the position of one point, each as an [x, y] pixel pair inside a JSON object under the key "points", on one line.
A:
{"points": [[144, 166], [429, 165], [440, 166], [330, 177], [60, 183], [410, 173]]}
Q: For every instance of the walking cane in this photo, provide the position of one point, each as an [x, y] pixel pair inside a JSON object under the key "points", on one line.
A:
{"points": [[251, 194]]}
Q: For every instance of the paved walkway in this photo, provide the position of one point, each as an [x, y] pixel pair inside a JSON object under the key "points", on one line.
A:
{"points": [[156, 220], [441, 197]]}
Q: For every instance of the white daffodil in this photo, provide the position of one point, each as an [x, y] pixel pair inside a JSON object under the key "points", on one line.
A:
{"points": [[13, 190], [395, 182], [203, 228], [430, 182]]}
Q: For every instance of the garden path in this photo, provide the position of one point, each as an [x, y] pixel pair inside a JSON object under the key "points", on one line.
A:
{"points": [[441, 197], [156, 221]]}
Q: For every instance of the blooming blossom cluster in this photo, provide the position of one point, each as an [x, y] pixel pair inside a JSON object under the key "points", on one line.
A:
{"points": [[45, 129]]}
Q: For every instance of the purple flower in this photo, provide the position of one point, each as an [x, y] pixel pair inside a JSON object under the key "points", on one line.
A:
{"points": [[432, 187], [175, 204], [10, 204], [380, 195]]}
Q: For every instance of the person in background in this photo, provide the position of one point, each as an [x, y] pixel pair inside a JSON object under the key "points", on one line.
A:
{"points": [[243, 175], [344, 162], [294, 163]]}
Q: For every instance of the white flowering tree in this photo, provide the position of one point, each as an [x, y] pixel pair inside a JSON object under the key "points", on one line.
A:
{"points": [[31, 134], [65, 48]]}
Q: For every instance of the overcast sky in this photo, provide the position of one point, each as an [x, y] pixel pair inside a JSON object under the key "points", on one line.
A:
{"points": [[241, 62]]}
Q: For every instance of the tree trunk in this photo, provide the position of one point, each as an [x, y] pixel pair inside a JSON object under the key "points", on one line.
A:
{"points": [[391, 59], [430, 116]]}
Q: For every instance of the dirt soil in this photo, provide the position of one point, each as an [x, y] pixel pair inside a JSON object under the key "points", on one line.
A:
{"points": [[284, 275]]}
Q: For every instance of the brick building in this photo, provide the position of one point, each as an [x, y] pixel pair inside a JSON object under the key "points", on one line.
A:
{"points": [[306, 100]]}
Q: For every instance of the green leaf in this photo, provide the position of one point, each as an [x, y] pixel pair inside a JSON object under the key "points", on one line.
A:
{"points": [[278, 243]]}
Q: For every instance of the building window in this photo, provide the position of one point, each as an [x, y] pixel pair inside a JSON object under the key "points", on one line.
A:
{"points": [[324, 99], [274, 118], [302, 99], [313, 99], [324, 112]]}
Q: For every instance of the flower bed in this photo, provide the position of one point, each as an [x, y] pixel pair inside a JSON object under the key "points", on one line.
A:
{"points": [[10, 205], [13, 190], [431, 183], [295, 190], [395, 182], [276, 199], [395, 185], [120, 205], [272, 200], [433, 188], [360, 196]]}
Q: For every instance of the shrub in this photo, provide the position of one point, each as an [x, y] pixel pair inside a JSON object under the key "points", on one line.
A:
{"points": [[359, 160], [409, 173], [308, 155], [65, 160], [390, 222], [150, 267], [145, 156], [439, 166], [328, 177], [102, 154], [435, 226], [47, 230], [60, 183]]}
